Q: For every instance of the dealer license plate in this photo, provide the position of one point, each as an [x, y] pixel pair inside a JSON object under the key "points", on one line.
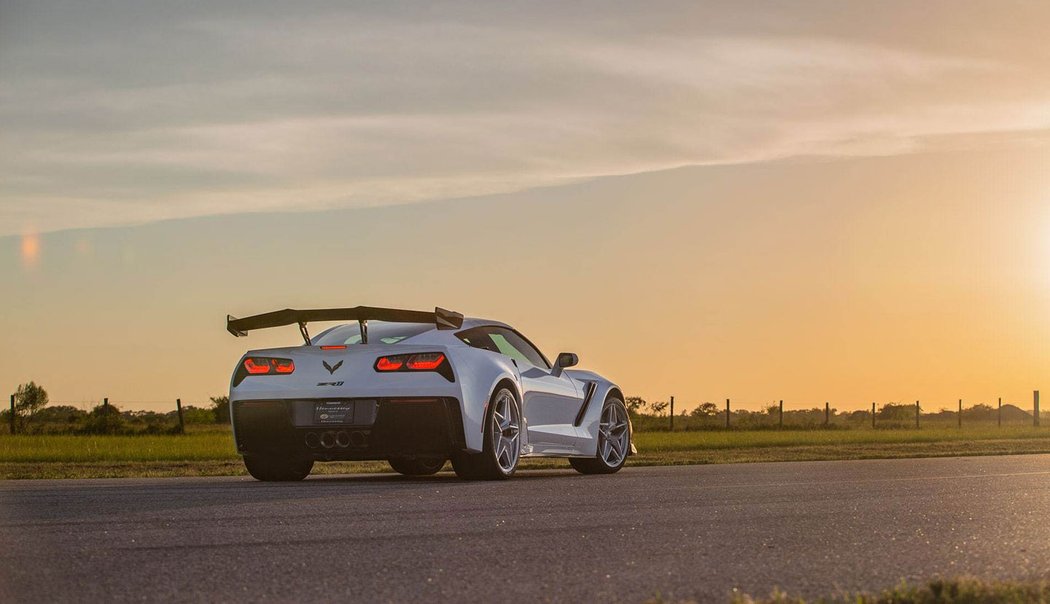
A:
{"points": [[334, 412]]}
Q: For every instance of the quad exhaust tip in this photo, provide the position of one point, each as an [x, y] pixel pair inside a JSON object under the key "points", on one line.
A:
{"points": [[328, 440], [358, 439], [341, 439]]}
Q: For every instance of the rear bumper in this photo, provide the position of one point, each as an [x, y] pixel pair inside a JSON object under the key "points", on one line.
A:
{"points": [[377, 428]]}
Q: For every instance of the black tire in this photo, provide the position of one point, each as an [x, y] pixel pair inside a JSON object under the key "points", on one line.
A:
{"points": [[485, 465], [277, 469], [417, 466], [599, 464]]}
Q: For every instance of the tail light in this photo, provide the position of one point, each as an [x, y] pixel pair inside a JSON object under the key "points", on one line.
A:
{"points": [[389, 364], [255, 366], [263, 366], [425, 362], [420, 361]]}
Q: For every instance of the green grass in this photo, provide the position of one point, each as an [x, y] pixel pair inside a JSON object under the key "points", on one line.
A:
{"points": [[80, 449], [211, 452], [952, 591], [732, 439]]}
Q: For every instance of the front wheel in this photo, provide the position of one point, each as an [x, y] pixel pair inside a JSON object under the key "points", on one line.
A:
{"points": [[417, 466], [614, 441], [502, 449], [277, 469]]}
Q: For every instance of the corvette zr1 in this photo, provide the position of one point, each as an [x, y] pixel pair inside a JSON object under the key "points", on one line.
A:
{"points": [[417, 389]]}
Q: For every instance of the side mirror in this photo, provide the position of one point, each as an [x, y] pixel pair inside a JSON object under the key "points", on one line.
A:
{"points": [[566, 360]]}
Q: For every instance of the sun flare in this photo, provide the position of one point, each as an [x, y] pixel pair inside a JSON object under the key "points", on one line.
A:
{"points": [[30, 249]]}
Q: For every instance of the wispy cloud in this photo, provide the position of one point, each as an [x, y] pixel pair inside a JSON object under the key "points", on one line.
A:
{"points": [[213, 114]]}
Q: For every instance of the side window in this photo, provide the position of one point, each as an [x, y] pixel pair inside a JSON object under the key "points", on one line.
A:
{"points": [[506, 342], [517, 347], [507, 349]]}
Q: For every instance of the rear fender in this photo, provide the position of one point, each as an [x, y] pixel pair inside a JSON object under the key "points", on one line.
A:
{"points": [[479, 372]]}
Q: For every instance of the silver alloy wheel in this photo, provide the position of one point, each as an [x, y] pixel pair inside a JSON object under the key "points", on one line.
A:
{"points": [[506, 431], [614, 439]]}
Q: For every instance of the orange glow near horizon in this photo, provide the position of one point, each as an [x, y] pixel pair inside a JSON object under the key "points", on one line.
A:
{"points": [[30, 249]]}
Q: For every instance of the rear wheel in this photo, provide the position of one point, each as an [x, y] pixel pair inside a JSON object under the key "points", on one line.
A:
{"points": [[502, 448], [417, 466], [614, 441], [270, 468]]}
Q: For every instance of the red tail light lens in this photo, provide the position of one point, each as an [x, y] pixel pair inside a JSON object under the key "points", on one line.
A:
{"points": [[257, 366], [425, 362], [264, 366], [418, 361], [333, 347], [389, 363]]}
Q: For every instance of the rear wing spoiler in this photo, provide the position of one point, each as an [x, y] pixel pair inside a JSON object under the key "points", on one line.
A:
{"points": [[441, 318]]}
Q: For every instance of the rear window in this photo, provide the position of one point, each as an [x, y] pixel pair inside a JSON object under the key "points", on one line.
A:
{"points": [[378, 333]]}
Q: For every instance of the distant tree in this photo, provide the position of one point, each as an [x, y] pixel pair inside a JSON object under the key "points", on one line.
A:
{"points": [[705, 410], [634, 404], [897, 411], [198, 415], [220, 407], [59, 414], [104, 419], [29, 398], [658, 408], [980, 411], [859, 416]]}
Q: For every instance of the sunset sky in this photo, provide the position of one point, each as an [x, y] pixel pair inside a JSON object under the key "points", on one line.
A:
{"points": [[818, 201]]}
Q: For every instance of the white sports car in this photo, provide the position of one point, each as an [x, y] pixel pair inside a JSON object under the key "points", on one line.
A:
{"points": [[416, 389]]}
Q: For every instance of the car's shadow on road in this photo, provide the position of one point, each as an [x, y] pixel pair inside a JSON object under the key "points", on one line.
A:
{"points": [[442, 478]]}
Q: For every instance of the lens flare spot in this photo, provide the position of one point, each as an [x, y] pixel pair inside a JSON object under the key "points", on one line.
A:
{"points": [[30, 249]]}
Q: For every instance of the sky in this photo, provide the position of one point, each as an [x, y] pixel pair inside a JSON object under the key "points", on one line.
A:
{"points": [[814, 201]]}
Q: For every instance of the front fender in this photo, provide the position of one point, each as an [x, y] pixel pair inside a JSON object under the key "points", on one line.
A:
{"points": [[593, 415]]}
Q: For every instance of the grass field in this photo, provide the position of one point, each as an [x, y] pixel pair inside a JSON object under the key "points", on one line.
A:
{"points": [[939, 591], [211, 452]]}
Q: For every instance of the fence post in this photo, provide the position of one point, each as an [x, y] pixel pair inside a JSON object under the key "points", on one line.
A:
{"points": [[916, 415], [1000, 418], [182, 422], [873, 415], [960, 413], [105, 403], [1036, 403], [12, 417], [827, 414], [781, 414], [727, 414]]}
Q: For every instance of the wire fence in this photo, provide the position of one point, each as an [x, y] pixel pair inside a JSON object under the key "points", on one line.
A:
{"points": [[776, 415], [659, 416], [113, 417]]}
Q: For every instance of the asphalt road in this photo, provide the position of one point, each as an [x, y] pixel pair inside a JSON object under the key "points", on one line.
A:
{"points": [[684, 532]]}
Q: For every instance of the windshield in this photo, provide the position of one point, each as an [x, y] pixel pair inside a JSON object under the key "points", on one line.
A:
{"points": [[378, 333]]}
